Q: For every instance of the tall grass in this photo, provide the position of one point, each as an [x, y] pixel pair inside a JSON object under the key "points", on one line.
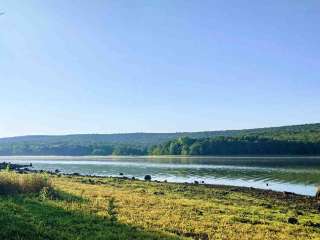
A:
{"points": [[14, 183]]}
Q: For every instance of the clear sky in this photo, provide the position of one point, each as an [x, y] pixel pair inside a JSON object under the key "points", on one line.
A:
{"points": [[157, 66]]}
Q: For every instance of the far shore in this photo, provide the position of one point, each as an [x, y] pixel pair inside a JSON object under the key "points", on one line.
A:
{"points": [[107, 157]]}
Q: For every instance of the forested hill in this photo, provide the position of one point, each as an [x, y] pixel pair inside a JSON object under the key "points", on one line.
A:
{"points": [[291, 140], [159, 143], [305, 131], [245, 145]]}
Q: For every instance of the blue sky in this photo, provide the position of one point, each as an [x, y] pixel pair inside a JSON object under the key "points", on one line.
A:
{"points": [[157, 66]]}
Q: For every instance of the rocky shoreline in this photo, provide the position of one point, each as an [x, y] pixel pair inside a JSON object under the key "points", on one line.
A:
{"points": [[11, 166], [26, 168]]}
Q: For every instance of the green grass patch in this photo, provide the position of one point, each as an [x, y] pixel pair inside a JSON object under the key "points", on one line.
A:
{"points": [[111, 208]]}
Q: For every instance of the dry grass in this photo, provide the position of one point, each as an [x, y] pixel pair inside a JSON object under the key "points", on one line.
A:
{"points": [[13, 183], [181, 211], [196, 211]]}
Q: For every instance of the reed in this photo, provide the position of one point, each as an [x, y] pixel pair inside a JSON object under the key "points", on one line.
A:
{"points": [[14, 183]]}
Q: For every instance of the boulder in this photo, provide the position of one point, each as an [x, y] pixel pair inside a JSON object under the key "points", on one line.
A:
{"points": [[147, 177], [292, 220]]}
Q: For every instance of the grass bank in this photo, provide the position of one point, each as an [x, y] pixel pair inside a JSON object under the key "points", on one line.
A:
{"points": [[13, 183], [151, 210]]}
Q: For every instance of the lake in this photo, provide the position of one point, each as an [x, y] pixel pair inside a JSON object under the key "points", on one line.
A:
{"points": [[294, 174]]}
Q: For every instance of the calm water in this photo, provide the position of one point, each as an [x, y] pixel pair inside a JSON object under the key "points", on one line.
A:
{"points": [[299, 175]]}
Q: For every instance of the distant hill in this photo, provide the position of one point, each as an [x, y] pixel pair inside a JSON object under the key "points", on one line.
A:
{"points": [[156, 138], [138, 143]]}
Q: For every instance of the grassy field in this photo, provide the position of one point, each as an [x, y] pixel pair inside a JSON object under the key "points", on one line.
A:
{"points": [[151, 210]]}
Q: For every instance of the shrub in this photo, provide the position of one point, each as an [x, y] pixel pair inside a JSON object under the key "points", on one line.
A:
{"points": [[48, 193], [13, 183], [112, 211]]}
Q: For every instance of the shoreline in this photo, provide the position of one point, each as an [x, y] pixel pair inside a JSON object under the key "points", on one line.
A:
{"points": [[24, 169], [242, 189], [164, 156], [294, 189]]}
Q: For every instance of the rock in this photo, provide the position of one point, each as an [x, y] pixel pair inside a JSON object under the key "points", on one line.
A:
{"points": [[56, 171], [318, 193], [234, 189], [121, 174], [292, 220], [300, 213], [196, 182], [158, 193], [287, 194], [147, 177], [133, 178]]}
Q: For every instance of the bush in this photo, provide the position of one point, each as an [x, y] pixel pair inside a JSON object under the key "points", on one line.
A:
{"points": [[48, 193], [112, 211], [13, 183]]}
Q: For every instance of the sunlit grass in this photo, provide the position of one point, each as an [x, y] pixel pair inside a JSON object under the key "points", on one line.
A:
{"points": [[150, 210], [199, 212], [13, 183]]}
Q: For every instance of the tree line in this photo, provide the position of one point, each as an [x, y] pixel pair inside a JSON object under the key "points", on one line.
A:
{"points": [[291, 140], [246, 145], [67, 149]]}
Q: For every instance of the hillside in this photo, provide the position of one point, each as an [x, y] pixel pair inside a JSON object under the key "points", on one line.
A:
{"points": [[156, 138], [140, 143]]}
